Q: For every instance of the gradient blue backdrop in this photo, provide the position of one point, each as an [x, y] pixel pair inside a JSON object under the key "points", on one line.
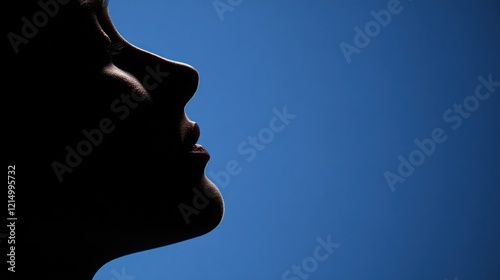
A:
{"points": [[323, 174]]}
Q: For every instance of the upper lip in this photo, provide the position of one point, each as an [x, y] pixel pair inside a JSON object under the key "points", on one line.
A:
{"points": [[191, 137]]}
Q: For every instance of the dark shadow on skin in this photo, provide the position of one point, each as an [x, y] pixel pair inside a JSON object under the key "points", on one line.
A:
{"points": [[76, 74]]}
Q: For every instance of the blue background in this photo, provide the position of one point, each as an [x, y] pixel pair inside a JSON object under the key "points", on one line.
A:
{"points": [[323, 174]]}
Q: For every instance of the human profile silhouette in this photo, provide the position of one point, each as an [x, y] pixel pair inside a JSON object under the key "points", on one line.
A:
{"points": [[106, 160]]}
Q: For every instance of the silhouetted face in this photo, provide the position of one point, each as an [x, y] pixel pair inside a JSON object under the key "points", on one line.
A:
{"points": [[106, 135]]}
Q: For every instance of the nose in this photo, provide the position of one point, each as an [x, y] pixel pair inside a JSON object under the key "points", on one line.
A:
{"points": [[171, 84]]}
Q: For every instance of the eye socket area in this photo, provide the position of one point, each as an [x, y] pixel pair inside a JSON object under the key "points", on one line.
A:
{"points": [[93, 4], [116, 42], [109, 40]]}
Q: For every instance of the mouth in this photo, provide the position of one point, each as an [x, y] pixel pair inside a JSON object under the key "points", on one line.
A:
{"points": [[193, 150]]}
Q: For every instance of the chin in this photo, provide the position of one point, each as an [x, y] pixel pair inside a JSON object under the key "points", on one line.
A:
{"points": [[200, 213]]}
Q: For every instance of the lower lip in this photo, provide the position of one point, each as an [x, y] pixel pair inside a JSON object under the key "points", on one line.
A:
{"points": [[198, 150]]}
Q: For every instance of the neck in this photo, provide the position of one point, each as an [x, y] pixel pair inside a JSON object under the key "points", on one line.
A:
{"points": [[57, 256]]}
